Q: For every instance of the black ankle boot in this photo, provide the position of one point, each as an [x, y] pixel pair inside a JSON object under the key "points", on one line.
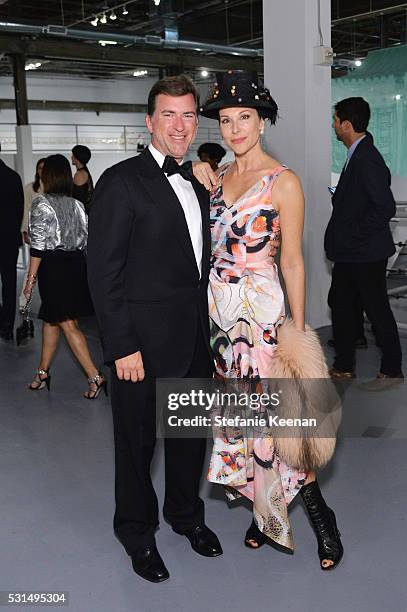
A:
{"points": [[324, 523]]}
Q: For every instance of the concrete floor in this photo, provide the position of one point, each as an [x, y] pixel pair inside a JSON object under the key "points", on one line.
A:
{"points": [[56, 481]]}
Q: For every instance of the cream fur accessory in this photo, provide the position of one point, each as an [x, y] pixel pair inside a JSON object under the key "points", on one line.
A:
{"points": [[299, 357]]}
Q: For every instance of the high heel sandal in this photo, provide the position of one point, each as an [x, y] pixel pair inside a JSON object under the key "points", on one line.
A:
{"points": [[324, 523], [40, 382], [253, 534], [101, 383]]}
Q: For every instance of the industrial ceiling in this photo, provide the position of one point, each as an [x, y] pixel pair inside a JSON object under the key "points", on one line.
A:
{"points": [[172, 35]]}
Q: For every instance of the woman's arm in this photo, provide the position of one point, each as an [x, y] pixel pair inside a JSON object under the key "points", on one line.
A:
{"points": [[289, 201], [40, 218], [31, 276]]}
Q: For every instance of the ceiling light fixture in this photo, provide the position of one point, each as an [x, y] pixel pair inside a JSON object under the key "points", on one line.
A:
{"points": [[95, 21], [103, 18], [157, 2], [398, 97], [33, 66], [140, 73], [358, 63], [113, 16], [204, 73], [125, 11], [107, 42]]}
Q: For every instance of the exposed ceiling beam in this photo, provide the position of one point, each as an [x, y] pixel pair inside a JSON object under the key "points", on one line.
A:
{"points": [[370, 14], [94, 107], [131, 56]]}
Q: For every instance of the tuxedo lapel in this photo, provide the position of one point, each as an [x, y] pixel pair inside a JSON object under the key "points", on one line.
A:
{"points": [[164, 197], [203, 199]]}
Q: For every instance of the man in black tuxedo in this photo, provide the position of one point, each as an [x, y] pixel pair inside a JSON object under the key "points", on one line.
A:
{"points": [[148, 267], [12, 209], [358, 240]]}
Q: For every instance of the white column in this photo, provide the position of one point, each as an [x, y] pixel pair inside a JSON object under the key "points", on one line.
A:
{"points": [[302, 137], [24, 162]]}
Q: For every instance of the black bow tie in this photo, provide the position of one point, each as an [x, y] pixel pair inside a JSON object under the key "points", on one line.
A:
{"points": [[171, 167]]}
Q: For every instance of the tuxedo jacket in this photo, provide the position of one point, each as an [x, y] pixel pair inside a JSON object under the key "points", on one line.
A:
{"points": [[142, 272], [11, 209], [363, 204]]}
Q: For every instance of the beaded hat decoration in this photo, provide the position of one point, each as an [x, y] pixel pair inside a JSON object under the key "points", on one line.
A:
{"points": [[239, 88]]}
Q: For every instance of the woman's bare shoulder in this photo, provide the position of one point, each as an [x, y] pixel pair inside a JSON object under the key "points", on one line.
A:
{"points": [[288, 182], [81, 177]]}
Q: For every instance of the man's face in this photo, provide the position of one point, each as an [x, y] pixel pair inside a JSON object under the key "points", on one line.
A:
{"points": [[338, 127], [173, 124]]}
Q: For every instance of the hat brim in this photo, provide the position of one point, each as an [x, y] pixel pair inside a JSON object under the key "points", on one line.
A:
{"points": [[211, 111]]}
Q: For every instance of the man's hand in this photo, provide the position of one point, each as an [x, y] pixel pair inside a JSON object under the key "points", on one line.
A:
{"points": [[204, 174], [130, 367]]}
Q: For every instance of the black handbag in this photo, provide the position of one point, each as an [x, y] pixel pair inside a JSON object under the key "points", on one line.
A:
{"points": [[25, 331]]}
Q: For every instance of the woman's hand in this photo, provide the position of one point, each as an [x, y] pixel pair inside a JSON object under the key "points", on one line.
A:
{"points": [[29, 286], [204, 174]]}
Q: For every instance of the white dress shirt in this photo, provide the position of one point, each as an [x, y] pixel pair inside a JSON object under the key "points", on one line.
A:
{"points": [[190, 205]]}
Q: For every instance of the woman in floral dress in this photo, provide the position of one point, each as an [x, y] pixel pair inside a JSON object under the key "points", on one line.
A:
{"points": [[256, 205]]}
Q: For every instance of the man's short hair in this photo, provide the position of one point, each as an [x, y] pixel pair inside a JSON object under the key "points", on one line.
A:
{"points": [[180, 85], [354, 110]]}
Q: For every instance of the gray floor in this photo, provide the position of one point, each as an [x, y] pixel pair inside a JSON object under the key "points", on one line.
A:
{"points": [[56, 481]]}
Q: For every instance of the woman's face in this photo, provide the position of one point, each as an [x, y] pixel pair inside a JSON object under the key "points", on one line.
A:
{"points": [[40, 168], [240, 128]]}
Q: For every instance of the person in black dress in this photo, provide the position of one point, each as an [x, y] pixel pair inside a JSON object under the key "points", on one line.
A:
{"points": [[82, 180], [212, 153], [58, 230]]}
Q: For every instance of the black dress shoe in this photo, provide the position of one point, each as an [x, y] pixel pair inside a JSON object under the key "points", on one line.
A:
{"points": [[148, 564], [204, 541]]}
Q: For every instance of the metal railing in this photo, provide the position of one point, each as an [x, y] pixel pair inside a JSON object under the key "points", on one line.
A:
{"points": [[49, 137]]}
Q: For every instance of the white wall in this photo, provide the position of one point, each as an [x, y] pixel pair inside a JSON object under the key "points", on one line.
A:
{"points": [[399, 188], [84, 90], [57, 127]]}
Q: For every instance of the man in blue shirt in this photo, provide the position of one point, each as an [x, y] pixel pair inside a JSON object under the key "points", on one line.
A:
{"points": [[359, 242]]}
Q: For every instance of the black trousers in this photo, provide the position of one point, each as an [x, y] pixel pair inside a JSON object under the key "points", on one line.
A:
{"points": [[8, 272], [136, 515], [367, 282], [358, 314]]}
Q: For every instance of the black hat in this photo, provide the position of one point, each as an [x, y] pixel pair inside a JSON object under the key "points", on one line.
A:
{"points": [[82, 153], [239, 88]]}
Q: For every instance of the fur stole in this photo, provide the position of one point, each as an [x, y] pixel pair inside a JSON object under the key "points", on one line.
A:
{"points": [[309, 393]]}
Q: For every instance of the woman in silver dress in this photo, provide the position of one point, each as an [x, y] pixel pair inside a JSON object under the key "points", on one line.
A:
{"points": [[58, 233]]}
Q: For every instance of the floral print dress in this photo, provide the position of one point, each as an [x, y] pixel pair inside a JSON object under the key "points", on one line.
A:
{"points": [[246, 305]]}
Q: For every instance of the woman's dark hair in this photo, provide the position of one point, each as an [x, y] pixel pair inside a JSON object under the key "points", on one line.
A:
{"points": [[57, 176], [175, 86], [354, 110], [37, 179], [82, 153]]}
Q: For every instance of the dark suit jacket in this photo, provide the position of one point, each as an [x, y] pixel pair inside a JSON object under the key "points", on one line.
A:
{"points": [[363, 205], [142, 271], [11, 208]]}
